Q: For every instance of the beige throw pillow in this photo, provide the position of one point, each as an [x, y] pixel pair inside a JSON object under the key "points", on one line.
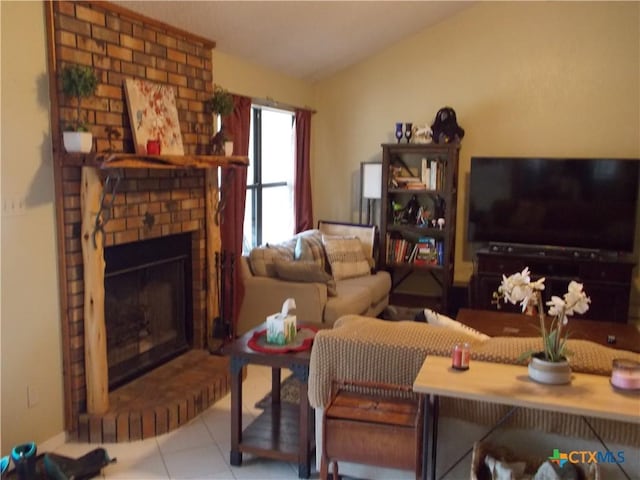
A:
{"points": [[262, 259], [309, 248], [346, 257], [303, 271]]}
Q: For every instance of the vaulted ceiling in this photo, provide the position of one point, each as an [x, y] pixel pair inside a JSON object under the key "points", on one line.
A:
{"points": [[309, 40]]}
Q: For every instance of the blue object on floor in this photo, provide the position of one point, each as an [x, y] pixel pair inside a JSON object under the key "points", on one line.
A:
{"points": [[24, 458], [4, 465]]}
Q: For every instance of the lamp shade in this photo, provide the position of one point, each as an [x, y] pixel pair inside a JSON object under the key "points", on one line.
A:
{"points": [[371, 180]]}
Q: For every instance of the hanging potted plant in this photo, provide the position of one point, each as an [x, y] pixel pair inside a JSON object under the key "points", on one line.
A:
{"points": [[78, 82], [221, 104]]}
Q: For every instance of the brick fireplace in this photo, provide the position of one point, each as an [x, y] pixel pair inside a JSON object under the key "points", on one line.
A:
{"points": [[148, 203], [151, 204]]}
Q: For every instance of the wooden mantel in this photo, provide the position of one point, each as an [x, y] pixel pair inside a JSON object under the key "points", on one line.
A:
{"points": [[96, 371], [132, 160]]}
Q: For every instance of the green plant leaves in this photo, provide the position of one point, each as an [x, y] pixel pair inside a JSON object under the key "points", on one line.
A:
{"points": [[78, 81], [221, 102]]}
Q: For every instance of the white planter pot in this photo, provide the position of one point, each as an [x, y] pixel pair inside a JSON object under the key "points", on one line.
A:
{"points": [[228, 148], [551, 373], [77, 141]]}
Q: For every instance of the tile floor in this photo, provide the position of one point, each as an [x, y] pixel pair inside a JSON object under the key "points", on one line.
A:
{"points": [[198, 450]]}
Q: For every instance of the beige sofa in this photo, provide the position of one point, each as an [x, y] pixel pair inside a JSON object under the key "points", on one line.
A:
{"points": [[361, 290], [373, 350]]}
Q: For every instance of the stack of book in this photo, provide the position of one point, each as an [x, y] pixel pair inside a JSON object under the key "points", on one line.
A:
{"points": [[426, 251], [411, 183], [432, 174]]}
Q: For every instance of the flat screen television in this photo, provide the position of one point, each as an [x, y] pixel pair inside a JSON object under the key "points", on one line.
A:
{"points": [[568, 203]]}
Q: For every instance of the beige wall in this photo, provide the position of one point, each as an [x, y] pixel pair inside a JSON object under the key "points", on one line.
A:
{"points": [[30, 321], [241, 77], [525, 78]]}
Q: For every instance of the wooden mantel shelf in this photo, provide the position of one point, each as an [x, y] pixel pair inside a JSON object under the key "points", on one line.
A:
{"points": [[132, 160]]}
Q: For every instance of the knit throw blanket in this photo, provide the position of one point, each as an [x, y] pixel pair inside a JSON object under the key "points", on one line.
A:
{"points": [[370, 350]]}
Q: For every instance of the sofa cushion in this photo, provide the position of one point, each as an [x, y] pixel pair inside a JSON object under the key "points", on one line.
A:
{"points": [[346, 257], [262, 259], [378, 285], [351, 298], [304, 271]]}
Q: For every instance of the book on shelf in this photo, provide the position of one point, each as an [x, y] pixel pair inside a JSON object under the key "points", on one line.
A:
{"points": [[426, 251], [425, 175], [397, 249], [412, 256], [433, 175]]}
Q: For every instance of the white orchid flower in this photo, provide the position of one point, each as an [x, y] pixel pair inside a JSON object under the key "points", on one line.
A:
{"points": [[556, 306], [575, 299], [518, 288]]}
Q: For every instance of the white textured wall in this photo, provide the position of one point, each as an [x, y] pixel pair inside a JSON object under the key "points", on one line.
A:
{"points": [[31, 352]]}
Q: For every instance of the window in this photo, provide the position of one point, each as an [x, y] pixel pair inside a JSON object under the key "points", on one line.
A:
{"points": [[269, 207]]}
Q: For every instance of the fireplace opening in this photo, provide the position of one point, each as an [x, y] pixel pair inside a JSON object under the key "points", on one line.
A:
{"points": [[148, 312]]}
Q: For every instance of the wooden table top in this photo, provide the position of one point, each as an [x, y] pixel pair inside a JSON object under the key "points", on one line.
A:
{"points": [[590, 395], [504, 324], [239, 348]]}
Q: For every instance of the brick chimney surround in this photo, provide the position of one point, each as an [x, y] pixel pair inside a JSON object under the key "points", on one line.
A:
{"points": [[177, 195]]}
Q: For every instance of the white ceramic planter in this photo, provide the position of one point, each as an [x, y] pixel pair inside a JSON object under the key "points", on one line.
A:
{"points": [[78, 142], [551, 373]]}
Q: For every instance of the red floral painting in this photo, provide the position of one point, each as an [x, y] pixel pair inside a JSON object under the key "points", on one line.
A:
{"points": [[153, 115]]}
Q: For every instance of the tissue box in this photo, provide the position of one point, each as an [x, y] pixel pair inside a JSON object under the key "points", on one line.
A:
{"points": [[281, 330]]}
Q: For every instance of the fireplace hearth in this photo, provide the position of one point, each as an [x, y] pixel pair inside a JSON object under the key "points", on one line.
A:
{"points": [[148, 311]]}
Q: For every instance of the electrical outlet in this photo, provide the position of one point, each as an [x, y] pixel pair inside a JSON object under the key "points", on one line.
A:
{"points": [[13, 206], [33, 396]]}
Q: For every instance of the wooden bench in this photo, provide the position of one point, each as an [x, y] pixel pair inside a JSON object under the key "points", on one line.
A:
{"points": [[377, 428]]}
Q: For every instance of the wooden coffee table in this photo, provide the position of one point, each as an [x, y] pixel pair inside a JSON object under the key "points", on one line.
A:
{"points": [[503, 324], [283, 431]]}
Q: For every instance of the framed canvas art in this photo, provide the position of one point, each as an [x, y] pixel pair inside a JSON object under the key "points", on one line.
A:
{"points": [[153, 115]]}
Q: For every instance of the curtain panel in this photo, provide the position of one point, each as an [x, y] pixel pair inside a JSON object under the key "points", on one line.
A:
{"points": [[303, 211], [234, 189]]}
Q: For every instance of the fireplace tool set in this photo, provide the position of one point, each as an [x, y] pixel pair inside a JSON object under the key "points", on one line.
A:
{"points": [[225, 281]]}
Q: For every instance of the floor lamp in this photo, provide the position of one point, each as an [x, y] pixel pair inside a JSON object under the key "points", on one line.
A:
{"points": [[370, 186]]}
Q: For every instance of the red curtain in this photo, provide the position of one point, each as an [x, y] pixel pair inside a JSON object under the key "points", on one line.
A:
{"points": [[303, 211], [234, 190]]}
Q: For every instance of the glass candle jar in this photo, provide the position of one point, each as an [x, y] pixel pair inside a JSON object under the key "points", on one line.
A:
{"points": [[460, 356], [625, 374]]}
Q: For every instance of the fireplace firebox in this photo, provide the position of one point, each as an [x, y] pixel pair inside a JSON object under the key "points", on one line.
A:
{"points": [[148, 308]]}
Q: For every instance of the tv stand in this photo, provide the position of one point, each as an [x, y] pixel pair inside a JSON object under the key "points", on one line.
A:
{"points": [[550, 251], [607, 278]]}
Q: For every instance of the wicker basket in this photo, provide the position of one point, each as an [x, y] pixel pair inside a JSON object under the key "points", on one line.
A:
{"points": [[479, 470]]}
